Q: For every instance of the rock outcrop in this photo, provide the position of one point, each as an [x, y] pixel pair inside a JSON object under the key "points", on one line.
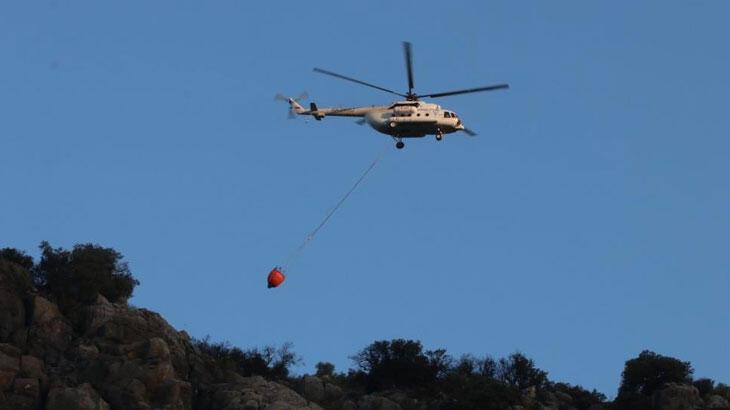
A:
{"points": [[112, 356], [676, 396]]}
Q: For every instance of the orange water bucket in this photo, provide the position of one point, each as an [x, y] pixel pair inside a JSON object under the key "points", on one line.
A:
{"points": [[276, 277]]}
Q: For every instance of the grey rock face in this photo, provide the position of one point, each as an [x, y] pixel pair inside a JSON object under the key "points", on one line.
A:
{"points": [[12, 315], [83, 397], [9, 365], [332, 392], [49, 334], [256, 391], [717, 402], [678, 397], [44, 311], [372, 402], [313, 388]]}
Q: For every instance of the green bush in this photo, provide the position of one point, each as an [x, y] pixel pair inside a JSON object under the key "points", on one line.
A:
{"points": [[77, 276], [14, 277], [468, 365], [582, 398], [650, 371], [466, 383], [17, 257], [520, 372], [400, 363], [723, 390], [705, 386], [268, 361], [325, 369], [471, 384], [477, 391]]}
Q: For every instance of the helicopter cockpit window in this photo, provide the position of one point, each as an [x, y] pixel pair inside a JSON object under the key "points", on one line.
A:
{"points": [[447, 114]]}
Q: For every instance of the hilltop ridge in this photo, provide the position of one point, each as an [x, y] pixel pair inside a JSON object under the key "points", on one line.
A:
{"points": [[70, 340]]}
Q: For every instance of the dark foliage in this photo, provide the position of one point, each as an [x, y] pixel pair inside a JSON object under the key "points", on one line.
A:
{"points": [[14, 277], [77, 276], [469, 365], [582, 398], [466, 383], [478, 392], [400, 363], [650, 371], [268, 361], [644, 375], [488, 384], [722, 390], [471, 384], [520, 372], [325, 369], [17, 257], [704, 386]]}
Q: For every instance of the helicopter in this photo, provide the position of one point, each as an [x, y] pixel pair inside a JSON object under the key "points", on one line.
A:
{"points": [[409, 118]]}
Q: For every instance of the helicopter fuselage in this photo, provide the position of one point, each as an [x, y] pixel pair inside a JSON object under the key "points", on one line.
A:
{"points": [[402, 119]]}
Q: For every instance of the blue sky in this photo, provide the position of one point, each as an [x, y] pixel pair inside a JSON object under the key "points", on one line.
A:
{"points": [[587, 222]]}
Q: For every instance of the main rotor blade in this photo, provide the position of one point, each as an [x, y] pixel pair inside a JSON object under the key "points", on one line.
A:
{"points": [[321, 71], [409, 64], [469, 132], [467, 91]]}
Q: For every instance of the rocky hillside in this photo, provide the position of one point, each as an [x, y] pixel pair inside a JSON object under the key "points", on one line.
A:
{"points": [[112, 356], [57, 353]]}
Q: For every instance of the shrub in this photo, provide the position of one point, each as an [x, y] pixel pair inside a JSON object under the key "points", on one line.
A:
{"points": [[520, 372], [77, 276], [723, 390], [478, 392], [268, 361], [471, 384], [400, 363], [17, 257], [468, 365], [582, 398], [325, 369], [650, 371], [14, 278], [704, 386]]}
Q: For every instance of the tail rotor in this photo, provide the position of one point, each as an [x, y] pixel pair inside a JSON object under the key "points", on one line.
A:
{"points": [[294, 106]]}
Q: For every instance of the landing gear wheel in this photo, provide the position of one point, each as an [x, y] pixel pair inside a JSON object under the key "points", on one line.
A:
{"points": [[439, 137], [400, 145]]}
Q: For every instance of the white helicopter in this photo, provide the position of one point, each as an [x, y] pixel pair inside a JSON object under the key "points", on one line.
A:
{"points": [[411, 118]]}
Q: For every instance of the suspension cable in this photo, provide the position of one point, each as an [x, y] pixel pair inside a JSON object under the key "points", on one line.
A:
{"points": [[327, 217]]}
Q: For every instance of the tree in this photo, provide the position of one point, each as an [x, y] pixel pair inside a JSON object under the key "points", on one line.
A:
{"points": [[77, 276], [401, 363], [17, 257], [14, 271], [325, 369], [282, 359], [723, 390], [582, 398], [705, 386], [267, 361], [650, 371], [520, 372], [471, 384]]}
